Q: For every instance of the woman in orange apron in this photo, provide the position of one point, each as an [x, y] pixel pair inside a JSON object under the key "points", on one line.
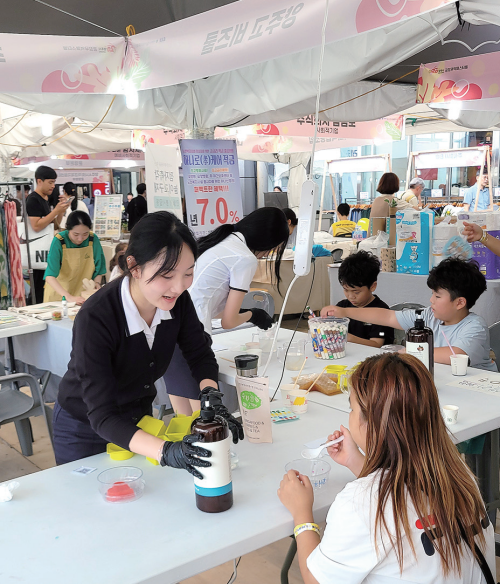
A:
{"points": [[75, 254]]}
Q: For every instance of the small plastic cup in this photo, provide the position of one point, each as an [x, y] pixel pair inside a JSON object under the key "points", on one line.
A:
{"points": [[121, 484], [298, 400], [450, 414], [459, 364], [318, 470], [285, 389]]}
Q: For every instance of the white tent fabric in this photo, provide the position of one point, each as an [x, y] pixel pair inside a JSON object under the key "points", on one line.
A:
{"points": [[276, 88]]}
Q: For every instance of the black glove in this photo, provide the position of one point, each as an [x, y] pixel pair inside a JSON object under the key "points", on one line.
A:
{"points": [[221, 410], [182, 455], [261, 319]]}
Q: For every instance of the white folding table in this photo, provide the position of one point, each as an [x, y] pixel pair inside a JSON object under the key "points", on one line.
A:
{"points": [[59, 530]]}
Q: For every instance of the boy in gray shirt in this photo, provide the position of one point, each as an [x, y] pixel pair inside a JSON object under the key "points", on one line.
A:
{"points": [[456, 285]]}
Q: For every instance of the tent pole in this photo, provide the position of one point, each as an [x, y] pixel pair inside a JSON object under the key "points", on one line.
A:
{"points": [[320, 220], [334, 196], [408, 170], [490, 188], [480, 180]]}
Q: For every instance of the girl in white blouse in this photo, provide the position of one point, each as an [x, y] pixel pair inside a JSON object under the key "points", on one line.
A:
{"points": [[414, 500]]}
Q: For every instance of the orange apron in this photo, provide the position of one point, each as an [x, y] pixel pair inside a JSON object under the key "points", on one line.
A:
{"points": [[77, 264]]}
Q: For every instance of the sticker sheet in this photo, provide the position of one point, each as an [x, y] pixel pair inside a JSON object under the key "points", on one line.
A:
{"points": [[486, 382]]}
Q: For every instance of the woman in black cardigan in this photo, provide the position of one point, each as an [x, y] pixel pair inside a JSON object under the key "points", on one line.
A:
{"points": [[123, 340]]}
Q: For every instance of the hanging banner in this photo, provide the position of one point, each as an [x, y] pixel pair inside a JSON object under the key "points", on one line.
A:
{"points": [[108, 216], [60, 64], [287, 137], [361, 164], [216, 41], [98, 175], [470, 78], [162, 179], [247, 32], [211, 184], [449, 159]]}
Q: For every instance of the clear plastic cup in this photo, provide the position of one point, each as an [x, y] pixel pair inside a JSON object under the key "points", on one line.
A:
{"points": [[329, 337], [318, 470], [121, 484]]}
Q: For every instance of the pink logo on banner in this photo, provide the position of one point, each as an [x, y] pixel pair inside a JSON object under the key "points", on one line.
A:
{"points": [[86, 79], [372, 14]]}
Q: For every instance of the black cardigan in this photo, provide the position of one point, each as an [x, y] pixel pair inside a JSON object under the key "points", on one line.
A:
{"points": [[111, 375]]}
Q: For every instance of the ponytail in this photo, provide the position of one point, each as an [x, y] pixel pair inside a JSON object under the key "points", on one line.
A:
{"points": [[218, 235]]}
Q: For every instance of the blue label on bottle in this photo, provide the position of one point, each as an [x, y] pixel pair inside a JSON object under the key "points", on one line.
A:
{"points": [[213, 492]]}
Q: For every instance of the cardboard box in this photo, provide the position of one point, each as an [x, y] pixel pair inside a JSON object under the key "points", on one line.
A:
{"points": [[413, 241]]}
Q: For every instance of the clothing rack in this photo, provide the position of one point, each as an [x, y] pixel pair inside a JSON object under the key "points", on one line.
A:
{"points": [[25, 219]]}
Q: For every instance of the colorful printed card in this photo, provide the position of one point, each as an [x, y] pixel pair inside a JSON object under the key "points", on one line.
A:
{"points": [[279, 416]]}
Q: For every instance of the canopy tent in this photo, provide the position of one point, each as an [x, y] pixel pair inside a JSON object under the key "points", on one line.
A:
{"points": [[276, 84]]}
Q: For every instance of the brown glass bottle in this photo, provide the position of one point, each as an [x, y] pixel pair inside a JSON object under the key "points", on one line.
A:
{"points": [[420, 342], [214, 494]]}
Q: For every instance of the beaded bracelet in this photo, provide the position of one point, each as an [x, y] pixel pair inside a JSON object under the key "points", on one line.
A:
{"points": [[298, 529]]}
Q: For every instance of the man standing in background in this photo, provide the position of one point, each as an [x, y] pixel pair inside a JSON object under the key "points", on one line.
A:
{"points": [[137, 207], [40, 215]]}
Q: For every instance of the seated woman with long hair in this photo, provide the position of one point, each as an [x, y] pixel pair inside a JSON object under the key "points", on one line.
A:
{"points": [[414, 512]]}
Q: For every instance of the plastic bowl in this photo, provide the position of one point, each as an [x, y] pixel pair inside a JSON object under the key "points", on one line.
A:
{"points": [[318, 470], [121, 484], [329, 337]]}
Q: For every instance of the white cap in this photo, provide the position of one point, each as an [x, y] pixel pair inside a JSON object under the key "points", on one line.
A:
{"points": [[417, 181]]}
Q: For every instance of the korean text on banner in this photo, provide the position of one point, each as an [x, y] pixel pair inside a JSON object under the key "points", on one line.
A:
{"points": [[108, 216], [211, 184], [449, 158], [162, 179], [253, 397]]}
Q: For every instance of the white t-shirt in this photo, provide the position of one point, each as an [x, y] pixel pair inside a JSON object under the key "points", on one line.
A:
{"points": [[229, 265], [80, 206], [115, 273], [347, 553]]}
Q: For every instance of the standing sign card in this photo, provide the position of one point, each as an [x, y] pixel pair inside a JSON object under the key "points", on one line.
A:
{"points": [[211, 184], [162, 179], [108, 216], [253, 397]]}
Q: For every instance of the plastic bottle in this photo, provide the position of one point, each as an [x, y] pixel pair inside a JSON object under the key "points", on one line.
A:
{"points": [[214, 493], [420, 342], [64, 307]]}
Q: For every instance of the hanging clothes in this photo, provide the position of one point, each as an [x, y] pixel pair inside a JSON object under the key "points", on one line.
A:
{"points": [[5, 291], [14, 247]]}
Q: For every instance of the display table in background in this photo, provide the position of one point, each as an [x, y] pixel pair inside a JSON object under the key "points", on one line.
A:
{"points": [[394, 288]]}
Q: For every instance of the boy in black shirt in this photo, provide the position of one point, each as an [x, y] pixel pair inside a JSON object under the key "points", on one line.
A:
{"points": [[358, 277]]}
